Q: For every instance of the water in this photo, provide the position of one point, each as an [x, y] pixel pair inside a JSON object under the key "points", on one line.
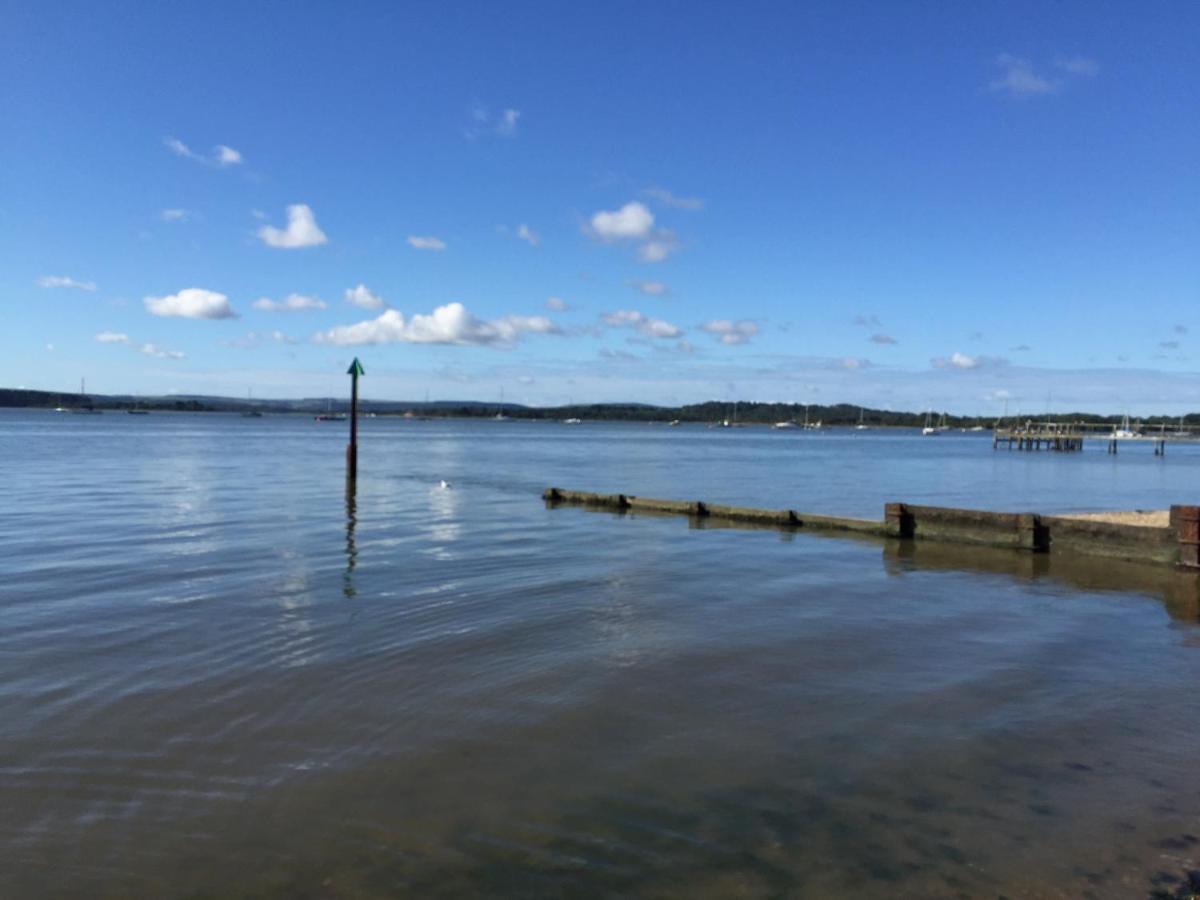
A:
{"points": [[219, 676]]}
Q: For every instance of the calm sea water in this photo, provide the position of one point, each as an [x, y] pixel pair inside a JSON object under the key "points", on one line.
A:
{"points": [[221, 677]]}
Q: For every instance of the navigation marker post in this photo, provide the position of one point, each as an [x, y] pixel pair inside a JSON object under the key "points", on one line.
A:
{"points": [[354, 371]]}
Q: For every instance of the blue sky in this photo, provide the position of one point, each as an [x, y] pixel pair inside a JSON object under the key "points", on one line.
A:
{"points": [[890, 204]]}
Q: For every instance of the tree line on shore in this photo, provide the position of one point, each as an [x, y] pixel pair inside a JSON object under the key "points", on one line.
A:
{"points": [[742, 412]]}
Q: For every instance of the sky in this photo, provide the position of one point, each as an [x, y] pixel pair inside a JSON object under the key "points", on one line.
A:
{"points": [[968, 207]]}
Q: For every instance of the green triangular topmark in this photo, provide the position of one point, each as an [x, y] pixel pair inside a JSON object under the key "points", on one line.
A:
{"points": [[355, 368]]}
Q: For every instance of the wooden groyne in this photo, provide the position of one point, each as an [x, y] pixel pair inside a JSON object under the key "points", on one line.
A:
{"points": [[1178, 543]]}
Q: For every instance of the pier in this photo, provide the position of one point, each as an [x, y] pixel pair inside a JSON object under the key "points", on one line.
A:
{"points": [[1069, 437], [1177, 543]]}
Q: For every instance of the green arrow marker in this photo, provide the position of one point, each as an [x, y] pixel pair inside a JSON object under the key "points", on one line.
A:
{"points": [[356, 368]]}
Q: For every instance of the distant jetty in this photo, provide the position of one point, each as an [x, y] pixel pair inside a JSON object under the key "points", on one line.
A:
{"points": [[1069, 437]]}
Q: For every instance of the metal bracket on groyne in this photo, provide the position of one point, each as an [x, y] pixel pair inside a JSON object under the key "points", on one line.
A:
{"points": [[1178, 543]]}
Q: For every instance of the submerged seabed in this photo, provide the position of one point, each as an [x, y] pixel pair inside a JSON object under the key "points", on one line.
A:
{"points": [[219, 676]]}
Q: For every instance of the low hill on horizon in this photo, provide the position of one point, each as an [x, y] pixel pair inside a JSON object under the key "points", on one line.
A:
{"points": [[742, 412]]}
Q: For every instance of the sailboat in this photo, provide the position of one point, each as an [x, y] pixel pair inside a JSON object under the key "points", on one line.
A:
{"points": [[251, 413], [1126, 431], [810, 426], [329, 415], [930, 428], [85, 405], [861, 426], [727, 423]]}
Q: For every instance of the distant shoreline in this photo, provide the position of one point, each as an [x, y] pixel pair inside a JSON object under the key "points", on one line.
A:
{"points": [[742, 413]]}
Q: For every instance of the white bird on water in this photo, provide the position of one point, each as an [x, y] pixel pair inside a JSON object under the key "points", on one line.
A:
{"points": [[444, 485]]}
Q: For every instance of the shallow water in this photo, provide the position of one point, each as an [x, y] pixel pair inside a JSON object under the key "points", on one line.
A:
{"points": [[219, 676]]}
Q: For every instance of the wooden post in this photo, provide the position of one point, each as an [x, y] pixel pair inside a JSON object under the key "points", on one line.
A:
{"points": [[898, 520], [1031, 533], [354, 371], [1186, 522]]}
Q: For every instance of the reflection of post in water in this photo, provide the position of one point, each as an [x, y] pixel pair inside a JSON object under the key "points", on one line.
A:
{"points": [[1178, 590], [351, 547]]}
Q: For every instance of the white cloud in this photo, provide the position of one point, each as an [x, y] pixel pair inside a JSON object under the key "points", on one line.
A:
{"points": [[179, 148], [301, 231], [362, 297], [290, 303], [883, 339], [117, 337], [558, 304], [484, 123], [658, 248], [852, 363], [633, 221], [1078, 65], [643, 325], [227, 156], [731, 333], [192, 303], [221, 156], [666, 198], [449, 324], [160, 353], [174, 215], [651, 288], [521, 232], [964, 362], [426, 243], [506, 125], [620, 355], [254, 339], [1018, 79], [62, 281]]}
